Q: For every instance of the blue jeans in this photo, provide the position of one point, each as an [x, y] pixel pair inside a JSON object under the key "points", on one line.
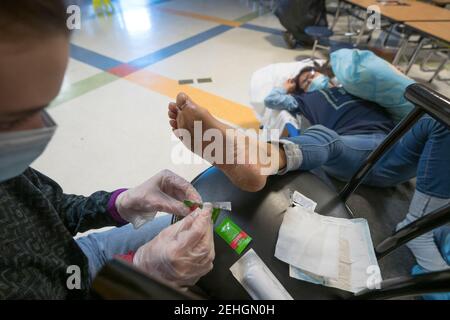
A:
{"points": [[100, 247], [340, 156], [423, 152]]}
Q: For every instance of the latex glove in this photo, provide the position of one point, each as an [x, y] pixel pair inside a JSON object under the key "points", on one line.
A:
{"points": [[164, 192], [182, 253]]}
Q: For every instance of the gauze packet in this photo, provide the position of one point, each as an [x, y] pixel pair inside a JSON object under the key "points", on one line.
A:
{"points": [[334, 252]]}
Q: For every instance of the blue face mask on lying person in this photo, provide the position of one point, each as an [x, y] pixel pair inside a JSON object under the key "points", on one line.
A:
{"points": [[320, 82]]}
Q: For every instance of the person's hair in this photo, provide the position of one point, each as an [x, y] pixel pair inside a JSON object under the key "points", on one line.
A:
{"points": [[32, 19], [325, 70]]}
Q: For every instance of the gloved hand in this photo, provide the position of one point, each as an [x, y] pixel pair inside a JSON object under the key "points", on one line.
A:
{"points": [[163, 192], [182, 253]]}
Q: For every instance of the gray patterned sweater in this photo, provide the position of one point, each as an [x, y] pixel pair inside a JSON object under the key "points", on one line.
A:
{"points": [[37, 225]]}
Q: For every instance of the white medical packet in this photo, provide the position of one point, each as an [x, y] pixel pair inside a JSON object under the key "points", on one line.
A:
{"points": [[334, 252], [257, 279], [303, 201]]}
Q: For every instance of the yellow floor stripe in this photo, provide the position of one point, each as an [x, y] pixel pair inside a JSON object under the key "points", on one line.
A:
{"points": [[194, 15], [220, 107]]}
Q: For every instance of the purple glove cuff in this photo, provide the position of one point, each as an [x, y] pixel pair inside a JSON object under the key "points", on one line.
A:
{"points": [[112, 209]]}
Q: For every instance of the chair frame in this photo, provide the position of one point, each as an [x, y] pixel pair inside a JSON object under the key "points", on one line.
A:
{"points": [[429, 102]]}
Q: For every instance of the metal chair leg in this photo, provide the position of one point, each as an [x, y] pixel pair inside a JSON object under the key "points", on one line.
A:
{"points": [[411, 231], [349, 23], [439, 69], [336, 15], [425, 62], [370, 36], [434, 282], [363, 29], [388, 34], [400, 51], [415, 54], [313, 54]]}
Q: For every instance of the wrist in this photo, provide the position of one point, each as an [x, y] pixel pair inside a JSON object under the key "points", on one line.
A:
{"points": [[113, 208], [119, 204], [137, 259]]}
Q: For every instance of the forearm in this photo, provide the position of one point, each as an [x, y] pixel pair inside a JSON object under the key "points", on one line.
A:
{"points": [[78, 213], [83, 213]]}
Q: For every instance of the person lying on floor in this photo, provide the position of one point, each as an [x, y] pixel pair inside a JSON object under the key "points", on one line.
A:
{"points": [[343, 133], [312, 94]]}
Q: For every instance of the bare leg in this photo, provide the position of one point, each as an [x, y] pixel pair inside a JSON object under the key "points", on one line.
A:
{"points": [[247, 175]]}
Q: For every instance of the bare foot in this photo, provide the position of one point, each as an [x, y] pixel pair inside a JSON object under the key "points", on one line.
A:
{"points": [[234, 159]]}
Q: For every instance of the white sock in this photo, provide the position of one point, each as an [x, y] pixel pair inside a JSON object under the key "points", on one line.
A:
{"points": [[294, 156]]}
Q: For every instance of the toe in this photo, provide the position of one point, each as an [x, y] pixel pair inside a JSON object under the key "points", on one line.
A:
{"points": [[182, 99], [173, 124], [172, 115], [173, 108]]}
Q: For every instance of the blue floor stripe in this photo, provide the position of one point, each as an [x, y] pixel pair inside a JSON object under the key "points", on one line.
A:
{"points": [[178, 47], [262, 29], [105, 63], [92, 58]]}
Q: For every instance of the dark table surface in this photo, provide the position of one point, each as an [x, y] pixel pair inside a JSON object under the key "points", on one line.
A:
{"points": [[260, 214]]}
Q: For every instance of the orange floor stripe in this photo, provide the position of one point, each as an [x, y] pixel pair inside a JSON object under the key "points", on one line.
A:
{"points": [[225, 109]]}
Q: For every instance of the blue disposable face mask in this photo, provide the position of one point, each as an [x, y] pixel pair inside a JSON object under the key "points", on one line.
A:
{"points": [[320, 82], [19, 149]]}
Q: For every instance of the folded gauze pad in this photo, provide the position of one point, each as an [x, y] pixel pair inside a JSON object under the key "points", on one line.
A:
{"points": [[257, 279], [305, 242], [335, 252]]}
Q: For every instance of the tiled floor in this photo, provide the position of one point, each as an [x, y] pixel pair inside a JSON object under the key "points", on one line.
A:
{"points": [[124, 69]]}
